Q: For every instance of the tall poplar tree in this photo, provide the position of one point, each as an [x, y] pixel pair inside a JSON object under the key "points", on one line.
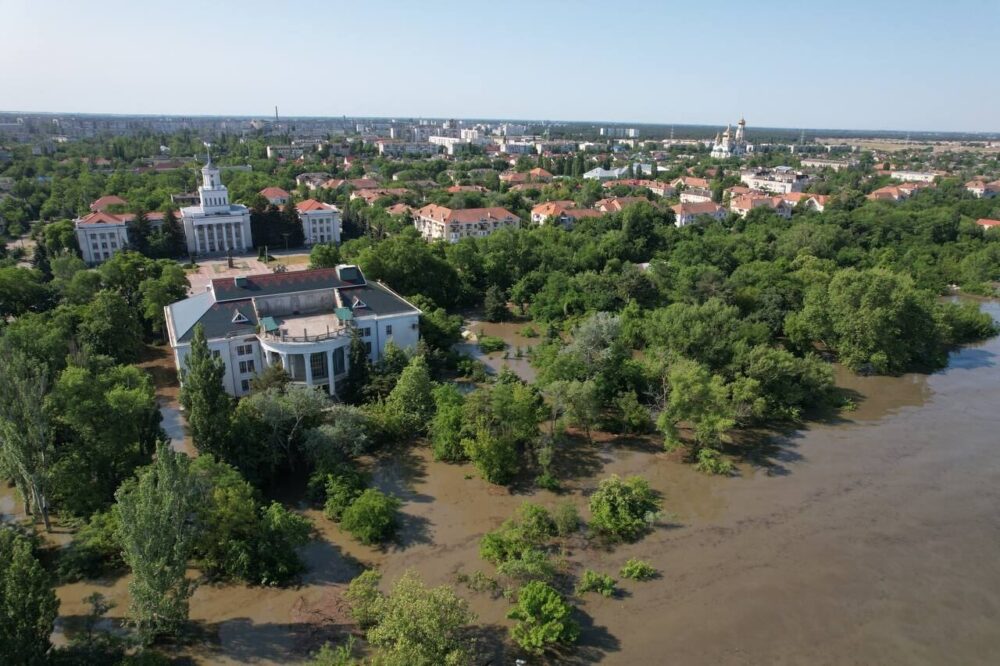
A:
{"points": [[28, 604], [156, 514], [209, 407]]}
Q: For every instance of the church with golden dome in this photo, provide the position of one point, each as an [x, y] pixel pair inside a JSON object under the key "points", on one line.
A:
{"points": [[729, 144]]}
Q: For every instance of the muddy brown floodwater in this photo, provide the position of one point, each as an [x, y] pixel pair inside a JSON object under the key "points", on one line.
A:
{"points": [[871, 539], [510, 332]]}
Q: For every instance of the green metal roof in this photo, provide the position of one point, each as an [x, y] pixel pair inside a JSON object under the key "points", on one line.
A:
{"points": [[344, 314], [269, 324]]}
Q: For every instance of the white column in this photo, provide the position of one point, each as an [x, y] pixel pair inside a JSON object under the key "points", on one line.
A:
{"points": [[215, 236], [329, 371], [284, 363], [307, 360], [232, 236]]}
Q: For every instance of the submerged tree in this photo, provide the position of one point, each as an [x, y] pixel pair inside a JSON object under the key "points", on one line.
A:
{"points": [[25, 446], [155, 513], [28, 604]]}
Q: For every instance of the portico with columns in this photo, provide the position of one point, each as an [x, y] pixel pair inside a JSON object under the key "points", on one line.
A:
{"points": [[216, 226]]}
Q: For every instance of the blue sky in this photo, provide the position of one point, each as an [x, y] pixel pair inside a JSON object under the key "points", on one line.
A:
{"points": [[879, 64]]}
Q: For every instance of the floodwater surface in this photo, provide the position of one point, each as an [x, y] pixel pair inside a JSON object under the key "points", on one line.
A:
{"points": [[869, 539]]}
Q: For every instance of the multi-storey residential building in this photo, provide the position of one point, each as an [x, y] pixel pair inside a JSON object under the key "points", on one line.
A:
{"points": [[302, 321], [440, 223], [275, 195], [404, 148], [696, 195], [562, 212], [216, 225], [821, 163], [320, 222], [106, 202], [779, 180], [686, 213], [286, 152], [915, 176], [742, 205], [980, 189], [101, 234]]}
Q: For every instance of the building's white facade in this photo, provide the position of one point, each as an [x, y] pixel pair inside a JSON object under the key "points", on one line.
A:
{"points": [[914, 176], [686, 213], [821, 163], [302, 321], [216, 226], [101, 234], [780, 180], [320, 222], [403, 148]]}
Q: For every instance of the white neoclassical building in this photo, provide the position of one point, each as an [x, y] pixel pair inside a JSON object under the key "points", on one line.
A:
{"points": [[216, 226], [320, 222], [101, 234], [300, 320]]}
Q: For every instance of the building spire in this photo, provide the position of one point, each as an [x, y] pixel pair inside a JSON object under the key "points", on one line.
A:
{"points": [[208, 153]]}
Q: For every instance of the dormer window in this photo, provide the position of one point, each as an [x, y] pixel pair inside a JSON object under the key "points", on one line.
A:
{"points": [[239, 318], [357, 303]]}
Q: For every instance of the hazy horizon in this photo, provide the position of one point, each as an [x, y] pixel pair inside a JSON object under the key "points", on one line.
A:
{"points": [[916, 67]]}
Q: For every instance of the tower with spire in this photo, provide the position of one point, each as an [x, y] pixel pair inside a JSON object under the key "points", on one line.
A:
{"points": [[215, 226]]}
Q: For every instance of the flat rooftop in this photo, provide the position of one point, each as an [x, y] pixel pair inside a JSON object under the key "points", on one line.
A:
{"points": [[313, 326]]}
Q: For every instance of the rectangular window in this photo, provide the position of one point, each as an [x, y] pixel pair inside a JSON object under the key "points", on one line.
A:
{"points": [[244, 350], [388, 329], [338, 360], [366, 332], [246, 367], [216, 353], [368, 347], [245, 385]]}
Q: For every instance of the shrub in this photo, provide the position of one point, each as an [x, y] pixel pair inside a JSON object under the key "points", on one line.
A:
{"points": [[623, 509], [591, 581], [371, 518], [530, 564], [94, 551], [543, 619], [342, 655], [711, 461], [420, 625], [503, 544], [529, 331], [548, 482], [535, 522], [964, 322], [494, 456], [364, 598], [446, 426], [280, 532], [341, 490], [633, 416], [566, 518], [635, 569], [489, 344]]}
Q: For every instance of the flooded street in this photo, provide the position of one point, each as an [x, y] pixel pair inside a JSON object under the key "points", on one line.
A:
{"points": [[870, 539], [159, 363], [511, 333]]}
